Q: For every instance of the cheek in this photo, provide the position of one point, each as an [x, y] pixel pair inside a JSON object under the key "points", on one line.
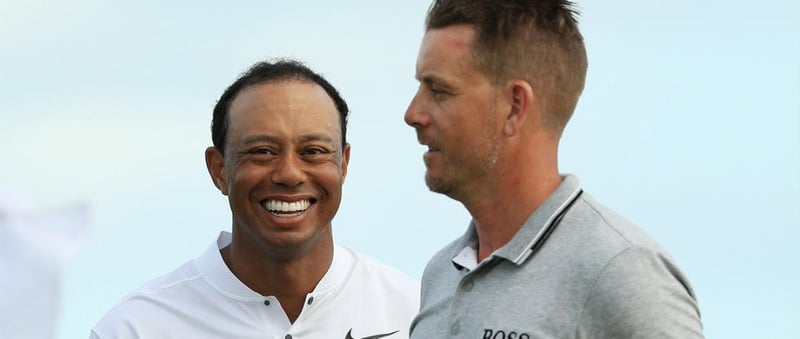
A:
{"points": [[245, 176], [329, 176]]}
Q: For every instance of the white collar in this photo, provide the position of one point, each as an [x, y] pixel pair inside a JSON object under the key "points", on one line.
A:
{"points": [[214, 270], [467, 258]]}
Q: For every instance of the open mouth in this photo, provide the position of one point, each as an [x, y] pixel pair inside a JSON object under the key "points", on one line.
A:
{"points": [[287, 209]]}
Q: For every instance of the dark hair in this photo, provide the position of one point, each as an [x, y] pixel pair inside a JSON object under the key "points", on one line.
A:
{"points": [[267, 72], [535, 40]]}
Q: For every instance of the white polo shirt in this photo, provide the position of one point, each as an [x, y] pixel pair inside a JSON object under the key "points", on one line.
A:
{"points": [[358, 297]]}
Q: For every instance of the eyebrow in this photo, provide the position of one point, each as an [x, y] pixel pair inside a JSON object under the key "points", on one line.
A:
{"points": [[275, 140], [427, 78], [252, 139], [433, 79], [317, 137]]}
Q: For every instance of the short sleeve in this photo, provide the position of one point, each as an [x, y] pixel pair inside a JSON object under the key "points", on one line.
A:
{"points": [[640, 294]]}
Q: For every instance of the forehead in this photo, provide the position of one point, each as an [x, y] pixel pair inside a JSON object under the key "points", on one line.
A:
{"points": [[283, 107], [445, 53], [453, 37]]}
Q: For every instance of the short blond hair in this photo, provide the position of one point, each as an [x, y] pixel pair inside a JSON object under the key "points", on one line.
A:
{"points": [[534, 40]]}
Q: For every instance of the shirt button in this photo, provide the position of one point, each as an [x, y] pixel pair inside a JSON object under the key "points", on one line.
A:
{"points": [[455, 328], [266, 302], [310, 300], [469, 285]]}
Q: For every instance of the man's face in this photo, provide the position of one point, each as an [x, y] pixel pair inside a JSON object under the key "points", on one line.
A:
{"points": [[454, 114], [284, 165]]}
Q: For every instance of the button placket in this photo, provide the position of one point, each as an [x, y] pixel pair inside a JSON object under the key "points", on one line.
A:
{"points": [[455, 328]]}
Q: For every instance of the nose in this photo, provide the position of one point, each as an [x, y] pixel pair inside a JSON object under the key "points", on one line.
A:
{"points": [[415, 116], [289, 171]]}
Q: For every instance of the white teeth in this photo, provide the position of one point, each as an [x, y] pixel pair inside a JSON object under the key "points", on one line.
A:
{"points": [[285, 208]]}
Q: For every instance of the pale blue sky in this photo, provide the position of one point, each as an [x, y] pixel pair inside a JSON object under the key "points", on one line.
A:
{"points": [[689, 126]]}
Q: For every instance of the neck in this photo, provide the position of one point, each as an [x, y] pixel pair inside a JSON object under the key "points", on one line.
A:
{"points": [[523, 184], [290, 280]]}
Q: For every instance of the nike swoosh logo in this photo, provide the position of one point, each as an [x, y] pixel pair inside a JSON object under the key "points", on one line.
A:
{"points": [[377, 336]]}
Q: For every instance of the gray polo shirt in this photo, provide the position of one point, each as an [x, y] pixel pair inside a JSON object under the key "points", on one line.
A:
{"points": [[574, 270]]}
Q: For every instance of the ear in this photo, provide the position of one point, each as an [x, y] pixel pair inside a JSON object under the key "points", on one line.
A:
{"points": [[523, 104], [345, 160], [215, 163]]}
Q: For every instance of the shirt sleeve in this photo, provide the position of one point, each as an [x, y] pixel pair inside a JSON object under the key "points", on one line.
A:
{"points": [[640, 294]]}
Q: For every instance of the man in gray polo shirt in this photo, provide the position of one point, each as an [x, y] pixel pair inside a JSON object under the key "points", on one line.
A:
{"points": [[499, 81]]}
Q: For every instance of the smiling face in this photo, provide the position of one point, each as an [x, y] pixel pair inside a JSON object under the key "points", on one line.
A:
{"points": [[454, 113], [283, 168]]}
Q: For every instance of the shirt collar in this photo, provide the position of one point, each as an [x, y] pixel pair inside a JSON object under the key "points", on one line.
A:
{"points": [[532, 231], [467, 258], [214, 270]]}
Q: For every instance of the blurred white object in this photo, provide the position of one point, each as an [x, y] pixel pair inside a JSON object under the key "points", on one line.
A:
{"points": [[34, 247]]}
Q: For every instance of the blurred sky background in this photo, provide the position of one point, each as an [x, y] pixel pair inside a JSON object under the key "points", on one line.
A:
{"points": [[688, 126]]}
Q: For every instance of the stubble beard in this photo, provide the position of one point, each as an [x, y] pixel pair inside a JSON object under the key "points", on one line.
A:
{"points": [[458, 176]]}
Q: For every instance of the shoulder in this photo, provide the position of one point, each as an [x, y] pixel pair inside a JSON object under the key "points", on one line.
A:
{"points": [[609, 230], [443, 258], [165, 286], [649, 295], [149, 303], [440, 275], [610, 244], [389, 293], [370, 269], [629, 272]]}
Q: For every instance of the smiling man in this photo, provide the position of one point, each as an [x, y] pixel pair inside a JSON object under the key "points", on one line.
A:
{"points": [[280, 156]]}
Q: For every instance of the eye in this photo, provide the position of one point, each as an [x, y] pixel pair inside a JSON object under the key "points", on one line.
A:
{"points": [[436, 92], [314, 151], [261, 151]]}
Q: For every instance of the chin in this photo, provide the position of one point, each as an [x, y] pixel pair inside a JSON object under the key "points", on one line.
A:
{"points": [[438, 186]]}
